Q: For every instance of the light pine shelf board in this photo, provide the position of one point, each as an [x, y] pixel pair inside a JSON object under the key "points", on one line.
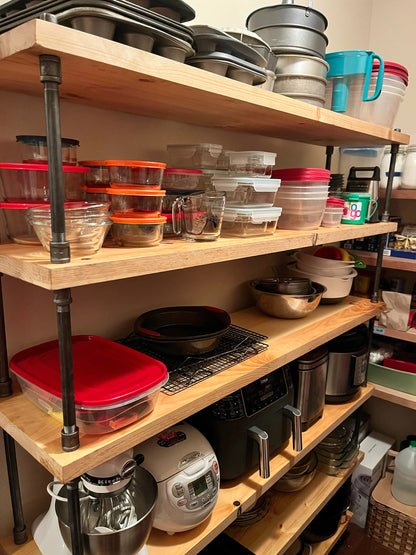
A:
{"points": [[39, 433], [396, 334], [241, 493], [8, 547], [32, 264], [109, 75], [394, 396], [289, 514], [393, 262], [400, 194], [323, 548]]}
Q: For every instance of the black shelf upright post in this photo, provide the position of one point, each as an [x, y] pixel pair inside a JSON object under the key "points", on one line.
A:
{"points": [[50, 76]]}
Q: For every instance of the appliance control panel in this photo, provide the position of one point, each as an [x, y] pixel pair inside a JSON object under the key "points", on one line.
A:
{"points": [[253, 397], [190, 493]]}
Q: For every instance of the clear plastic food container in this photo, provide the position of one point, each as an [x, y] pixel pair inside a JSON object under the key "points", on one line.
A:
{"points": [[250, 222], [86, 226], [194, 157], [114, 385], [17, 227], [137, 232], [303, 177], [125, 173], [139, 203], [181, 179], [247, 191], [34, 149], [31, 182], [254, 163], [302, 214]]}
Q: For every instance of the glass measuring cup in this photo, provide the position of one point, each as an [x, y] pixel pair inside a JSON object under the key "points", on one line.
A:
{"points": [[199, 216]]}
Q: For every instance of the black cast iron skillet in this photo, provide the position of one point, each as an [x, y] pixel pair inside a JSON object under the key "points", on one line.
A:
{"points": [[183, 330]]}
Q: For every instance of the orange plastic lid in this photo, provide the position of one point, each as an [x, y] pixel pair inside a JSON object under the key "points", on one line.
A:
{"points": [[130, 163], [139, 221], [136, 192]]}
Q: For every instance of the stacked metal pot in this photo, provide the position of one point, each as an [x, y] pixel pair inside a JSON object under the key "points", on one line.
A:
{"points": [[296, 37]]}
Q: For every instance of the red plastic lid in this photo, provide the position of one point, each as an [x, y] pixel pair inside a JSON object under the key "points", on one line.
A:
{"points": [[138, 192], [128, 163], [188, 172], [42, 168], [105, 372], [392, 69], [333, 201], [18, 205], [302, 174], [138, 221]]}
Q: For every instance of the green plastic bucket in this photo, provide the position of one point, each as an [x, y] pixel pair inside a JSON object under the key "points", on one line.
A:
{"points": [[356, 208]]}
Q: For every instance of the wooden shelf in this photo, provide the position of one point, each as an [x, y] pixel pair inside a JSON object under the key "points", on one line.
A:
{"points": [[393, 262], [109, 75], [396, 334], [401, 194], [32, 264], [394, 396], [240, 494], [8, 547], [289, 514], [39, 434], [323, 548]]}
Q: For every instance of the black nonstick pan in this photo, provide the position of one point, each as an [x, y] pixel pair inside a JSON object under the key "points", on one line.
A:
{"points": [[183, 330]]}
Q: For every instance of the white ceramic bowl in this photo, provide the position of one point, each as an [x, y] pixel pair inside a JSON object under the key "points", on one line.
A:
{"points": [[336, 288], [341, 272], [320, 262]]}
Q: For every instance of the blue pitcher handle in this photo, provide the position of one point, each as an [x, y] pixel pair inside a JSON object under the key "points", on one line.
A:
{"points": [[368, 76]]}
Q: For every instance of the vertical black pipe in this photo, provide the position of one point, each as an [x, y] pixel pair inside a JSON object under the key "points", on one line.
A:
{"points": [[69, 434], [5, 381], [19, 529], [74, 517], [384, 218], [50, 76], [329, 153]]}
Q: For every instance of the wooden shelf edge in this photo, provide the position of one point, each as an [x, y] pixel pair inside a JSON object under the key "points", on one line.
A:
{"points": [[400, 194], [394, 396], [32, 264], [323, 548], [290, 514], [8, 547], [396, 334], [393, 262]]}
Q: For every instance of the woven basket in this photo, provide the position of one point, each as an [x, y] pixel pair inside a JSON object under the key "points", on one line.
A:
{"points": [[391, 523]]}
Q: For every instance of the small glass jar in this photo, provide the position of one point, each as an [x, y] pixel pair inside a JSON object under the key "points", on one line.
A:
{"points": [[408, 180], [385, 165]]}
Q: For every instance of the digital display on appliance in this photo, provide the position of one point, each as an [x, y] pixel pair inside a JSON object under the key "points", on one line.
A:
{"points": [[199, 485]]}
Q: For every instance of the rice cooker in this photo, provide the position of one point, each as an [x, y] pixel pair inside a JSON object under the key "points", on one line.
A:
{"points": [[186, 470]]}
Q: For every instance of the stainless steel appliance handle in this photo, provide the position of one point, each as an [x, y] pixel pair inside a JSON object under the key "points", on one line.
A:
{"points": [[262, 439], [296, 418]]}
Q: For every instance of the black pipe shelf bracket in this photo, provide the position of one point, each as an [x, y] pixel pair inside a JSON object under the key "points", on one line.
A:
{"points": [[19, 529]]}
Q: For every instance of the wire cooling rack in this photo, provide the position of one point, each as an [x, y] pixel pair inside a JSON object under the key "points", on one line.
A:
{"points": [[236, 345]]}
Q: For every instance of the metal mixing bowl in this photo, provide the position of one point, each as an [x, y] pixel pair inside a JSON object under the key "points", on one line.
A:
{"points": [[287, 285], [287, 306]]}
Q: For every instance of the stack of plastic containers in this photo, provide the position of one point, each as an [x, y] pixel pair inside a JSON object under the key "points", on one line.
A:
{"points": [[134, 190], [302, 196], [27, 184], [249, 194], [333, 212]]}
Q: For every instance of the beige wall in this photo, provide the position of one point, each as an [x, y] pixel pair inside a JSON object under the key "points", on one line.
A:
{"points": [[110, 309]]}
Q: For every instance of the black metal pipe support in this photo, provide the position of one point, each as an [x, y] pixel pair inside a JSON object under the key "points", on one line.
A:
{"points": [[74, 517], [50, 76], [69, 434], [384, 218], [329, 153], [5, 381], [19, 529]]}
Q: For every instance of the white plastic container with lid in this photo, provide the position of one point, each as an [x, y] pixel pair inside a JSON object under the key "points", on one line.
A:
{"points": [[250, 222], [195, 156], [247, 191], [403, 486], [252, 163], [385, 165], [408, 178]]}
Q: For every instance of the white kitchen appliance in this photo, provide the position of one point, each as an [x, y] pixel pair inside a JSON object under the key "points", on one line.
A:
{"points": [[186, 470]]}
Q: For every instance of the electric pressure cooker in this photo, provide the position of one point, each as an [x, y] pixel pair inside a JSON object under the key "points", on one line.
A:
{"points": [[347, 365], [248, 424]]}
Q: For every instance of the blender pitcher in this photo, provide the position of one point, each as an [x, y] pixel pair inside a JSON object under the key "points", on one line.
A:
{"points": [[349, 80]]}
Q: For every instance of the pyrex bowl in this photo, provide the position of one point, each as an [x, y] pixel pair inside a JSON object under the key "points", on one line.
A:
{"points": [[31, 182], [181, 179], [125, 173], [86, 226], [17, 227], [34, 149], [139, 203], [299, 476], [137, 232], [287, 306]]}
